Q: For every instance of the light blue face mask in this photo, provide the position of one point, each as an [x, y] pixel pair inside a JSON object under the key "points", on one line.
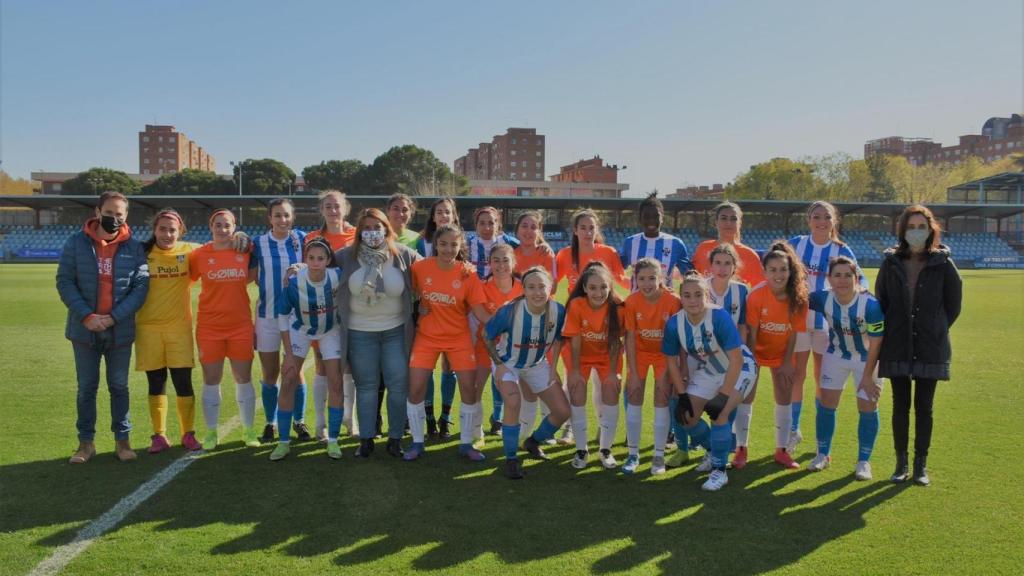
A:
{"points": [[917, 237]]}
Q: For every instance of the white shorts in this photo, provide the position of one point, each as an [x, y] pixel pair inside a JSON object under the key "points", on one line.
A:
{"points": [[268, 334], [537, 377], [835, 371], [330, 343], [816, 340], [705, 385]]}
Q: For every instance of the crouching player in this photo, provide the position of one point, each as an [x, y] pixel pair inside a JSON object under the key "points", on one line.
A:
{"points": [[518, 339], [855, 325], [305, 313], [722, 377]]}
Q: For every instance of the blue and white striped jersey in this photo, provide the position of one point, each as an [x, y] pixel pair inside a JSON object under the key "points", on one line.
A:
{"points": [[849, 326], [479, 250], [425, 249], [666, 248], [733, 301], [525, 337], [815, 259], [308, 307], [273, 257], [707, 343]]}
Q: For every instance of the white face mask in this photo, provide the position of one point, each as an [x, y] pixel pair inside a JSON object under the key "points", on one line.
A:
{"points": [[373, 238], [917, 237]]}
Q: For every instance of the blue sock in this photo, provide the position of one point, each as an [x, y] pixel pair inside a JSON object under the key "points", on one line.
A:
{"points": [[682, 442], [269, 397], [428, 401], [798, 407], [825, 422], [300, 402], [545, 431], [334, 418], [510, 440], [720, 440], [867, 432], [700, 434], [448, 386], [497, 402], [284, 429]]}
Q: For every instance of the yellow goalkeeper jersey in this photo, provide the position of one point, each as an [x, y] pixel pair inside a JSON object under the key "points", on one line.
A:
{"points": [[168, 304]]}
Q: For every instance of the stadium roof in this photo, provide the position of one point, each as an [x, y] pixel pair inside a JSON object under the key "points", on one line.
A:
{"points": [[672, 205], [1010, 181]]}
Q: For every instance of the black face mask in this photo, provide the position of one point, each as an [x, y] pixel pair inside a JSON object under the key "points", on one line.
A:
{"points": [[111, 224]]}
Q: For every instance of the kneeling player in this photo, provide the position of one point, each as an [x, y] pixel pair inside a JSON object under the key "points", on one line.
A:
{"points": [[855, 326], [723, 376]]}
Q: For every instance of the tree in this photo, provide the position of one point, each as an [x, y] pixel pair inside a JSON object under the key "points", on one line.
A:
{"points": [[415, 171], [96, 181], [350, 176], [777, 179], [11, 186], [880, 186], [266, 177], [190, 182]]}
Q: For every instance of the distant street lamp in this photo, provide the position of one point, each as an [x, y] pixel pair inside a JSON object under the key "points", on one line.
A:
{"points": [[241, 209]]}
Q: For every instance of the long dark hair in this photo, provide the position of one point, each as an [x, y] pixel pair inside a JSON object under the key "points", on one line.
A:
{"points": [[165, 213], [934, 236], [575, 245], [431, 230], [796, 288], [539, 217], [597, 268], [457, 230]]}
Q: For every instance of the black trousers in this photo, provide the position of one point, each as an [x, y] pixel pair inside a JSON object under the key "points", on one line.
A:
{"points": [[923, 396], [180, 377]]}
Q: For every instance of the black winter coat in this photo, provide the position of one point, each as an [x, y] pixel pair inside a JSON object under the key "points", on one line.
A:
{"points": [[916, 342]]}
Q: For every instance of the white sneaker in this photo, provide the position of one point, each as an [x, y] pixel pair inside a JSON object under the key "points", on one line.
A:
{"points": [[820, 462], [716, 481], [658, 466], [567, 436], [631, 464], [607, 460], [705, 464], [795, 437], [579, 461], [863, 470], [321, 434]]}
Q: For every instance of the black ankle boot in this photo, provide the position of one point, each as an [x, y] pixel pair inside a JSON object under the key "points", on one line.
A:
{"points": [[394, 447], [921, 471], [901, 474], [365, 448]]}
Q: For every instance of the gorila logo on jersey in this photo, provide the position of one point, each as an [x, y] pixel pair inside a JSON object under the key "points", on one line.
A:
{"points": [[438, 297]]}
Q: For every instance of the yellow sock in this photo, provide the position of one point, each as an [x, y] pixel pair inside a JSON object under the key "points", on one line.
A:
{"points": [[187, 413], [158, 413]]}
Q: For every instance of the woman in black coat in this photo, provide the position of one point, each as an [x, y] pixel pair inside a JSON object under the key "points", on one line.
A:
{"points": [[919, 288]]}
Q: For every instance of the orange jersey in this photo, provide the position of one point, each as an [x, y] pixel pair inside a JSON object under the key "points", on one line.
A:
{"points": [[592, 327], [750, 270], [648, 320], [496, 298], [337, 241], [445, 298], [224, 307], [606, 254], [524, 263], [774, 325]]}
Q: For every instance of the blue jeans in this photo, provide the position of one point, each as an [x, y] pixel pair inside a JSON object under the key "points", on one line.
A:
{"points": [[370, 355], [87, 369]]}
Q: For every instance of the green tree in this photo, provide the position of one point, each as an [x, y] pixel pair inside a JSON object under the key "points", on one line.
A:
{"points": [[349, 176], [415, 171], [880, 185], [265, 177], [95, 181], [190, 182], [777, 179]]}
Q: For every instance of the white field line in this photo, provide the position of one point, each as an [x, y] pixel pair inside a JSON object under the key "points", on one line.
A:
{"points": [[63, 555]]}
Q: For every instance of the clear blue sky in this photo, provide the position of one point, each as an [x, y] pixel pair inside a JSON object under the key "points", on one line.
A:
{"points": [[681, 92]]}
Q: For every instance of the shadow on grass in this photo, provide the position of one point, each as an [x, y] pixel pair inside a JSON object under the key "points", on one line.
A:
{"points": [[452, 511]]}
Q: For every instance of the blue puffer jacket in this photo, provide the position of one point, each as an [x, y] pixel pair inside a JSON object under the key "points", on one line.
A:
{"points": [[78, 280]]}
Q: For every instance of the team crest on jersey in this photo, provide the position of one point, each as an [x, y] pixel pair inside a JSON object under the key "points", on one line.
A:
{"points": [[585, 322], [456, 284], [429, 281], [639, 316], [666, 252], [239, 258], [181, 258], [211, 261]]}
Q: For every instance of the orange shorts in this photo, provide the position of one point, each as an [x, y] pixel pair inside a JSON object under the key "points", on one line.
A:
{"points": [[214, 350], [460, 354], [483, 359], [600, 363], [646, 360]]}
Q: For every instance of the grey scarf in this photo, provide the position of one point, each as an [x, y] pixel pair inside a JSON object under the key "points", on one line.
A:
{"points": [[373, 260]]}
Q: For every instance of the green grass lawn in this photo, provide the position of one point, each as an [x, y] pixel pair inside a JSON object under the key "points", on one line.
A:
{"points": [[233, 511]]}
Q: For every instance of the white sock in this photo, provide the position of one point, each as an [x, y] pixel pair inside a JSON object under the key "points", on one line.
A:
{"points": [[783, 424], [245, 395], [211, 405], [478, 419], [417, 414], [579, 426], [320, 400], [634, 424], [595, 385], [467, 423], [741, 426], [348, 390], [609, 425], [661, 420], [527, 417]]}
